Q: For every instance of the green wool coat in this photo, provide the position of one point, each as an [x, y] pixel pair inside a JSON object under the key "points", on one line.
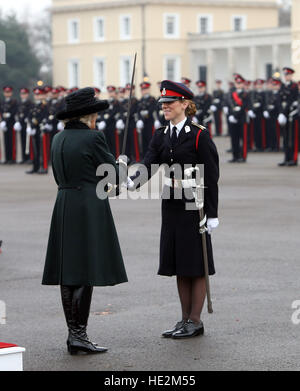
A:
{"points": [[83, 246]]}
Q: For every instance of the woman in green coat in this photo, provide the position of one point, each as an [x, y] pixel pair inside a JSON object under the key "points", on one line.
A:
{"points": [[83, 248]]}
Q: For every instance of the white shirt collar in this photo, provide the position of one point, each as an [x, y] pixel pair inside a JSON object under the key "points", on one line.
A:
{"points": [[179, 126]]}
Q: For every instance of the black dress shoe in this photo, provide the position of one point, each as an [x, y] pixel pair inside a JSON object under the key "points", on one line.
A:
{"points": [[42, 171], [189, 329], [233, 161], [168, 333], [241, 160], [282, 164], [31, 172], [292, 163]]}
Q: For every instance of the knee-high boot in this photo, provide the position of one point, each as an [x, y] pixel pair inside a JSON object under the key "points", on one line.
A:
{"points": [[79, 341], [67, 300]]}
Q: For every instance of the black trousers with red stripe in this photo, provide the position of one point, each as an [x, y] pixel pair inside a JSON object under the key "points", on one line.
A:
{"points": [[291, 140]]}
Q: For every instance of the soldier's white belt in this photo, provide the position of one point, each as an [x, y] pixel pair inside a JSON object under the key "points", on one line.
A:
{"points": [[180, 183]]}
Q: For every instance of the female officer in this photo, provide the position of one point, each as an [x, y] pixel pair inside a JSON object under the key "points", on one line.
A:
{"points": [[183, 142], [83, 248]]}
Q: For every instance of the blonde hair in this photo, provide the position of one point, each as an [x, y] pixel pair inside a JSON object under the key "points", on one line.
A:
{"points": [[191, 110], [86, 119]]}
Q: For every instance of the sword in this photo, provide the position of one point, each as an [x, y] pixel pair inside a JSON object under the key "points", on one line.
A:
{"points": [[129, 108], [199, 200]]}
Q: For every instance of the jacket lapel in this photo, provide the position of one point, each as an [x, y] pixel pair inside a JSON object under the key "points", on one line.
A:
{"points": [[185, 133]]}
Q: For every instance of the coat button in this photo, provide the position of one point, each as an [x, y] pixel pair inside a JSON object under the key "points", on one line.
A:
{"points": [[172, 160], [171, 150]]}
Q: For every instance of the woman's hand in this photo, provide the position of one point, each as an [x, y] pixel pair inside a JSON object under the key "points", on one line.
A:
{"points": [[212, 224]]}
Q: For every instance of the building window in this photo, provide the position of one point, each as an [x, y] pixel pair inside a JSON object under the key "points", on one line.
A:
{"points": [[100, 73], [239, 22], [171, 26], [205, 24], [73, 31], [99, 29], [125, 71], [172, 68], [125, 26], [74, 73]]}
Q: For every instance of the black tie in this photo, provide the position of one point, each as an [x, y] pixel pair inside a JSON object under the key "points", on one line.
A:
{"points": [[174, 136]]}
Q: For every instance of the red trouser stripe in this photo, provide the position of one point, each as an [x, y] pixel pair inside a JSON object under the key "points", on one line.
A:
{"points": [[251, 134], [45, 156], [117, 144], [153, 130], [31, 149], [278, 134], [263, 133], [296, 146], [209, 129], [221, 122], [245, 141], [14, 145], [136, 145]]}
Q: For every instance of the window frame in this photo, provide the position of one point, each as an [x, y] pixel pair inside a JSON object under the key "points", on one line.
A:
{"points": [[71, 63], [177, 71], [97, 82], [243, 24], [209, 18], [121, 26], [176, 33], [123, 80], [97, 38], [71, 39]]}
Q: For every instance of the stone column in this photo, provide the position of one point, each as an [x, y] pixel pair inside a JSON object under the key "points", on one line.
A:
{"points": [[230, 62], [275, 57]]}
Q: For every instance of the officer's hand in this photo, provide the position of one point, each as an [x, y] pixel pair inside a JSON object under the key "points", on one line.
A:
{"points": [[101, 125], [266, 114], [251, 114], [140, 124], [157, 124], [60, 126], [225, 110], [213, 108], [3, 126], [282, 119], [120, 124], [232, 119], [212, 223], [18, 127]]}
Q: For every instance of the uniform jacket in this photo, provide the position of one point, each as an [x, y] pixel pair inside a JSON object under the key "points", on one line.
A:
{"points": [[185, 153], [83, 247]]}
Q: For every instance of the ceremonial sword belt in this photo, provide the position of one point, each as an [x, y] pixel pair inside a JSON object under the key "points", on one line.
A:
{"points": [[180, 183]]}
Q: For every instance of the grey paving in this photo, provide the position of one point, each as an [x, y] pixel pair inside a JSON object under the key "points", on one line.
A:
{"points": [[256, 250]]}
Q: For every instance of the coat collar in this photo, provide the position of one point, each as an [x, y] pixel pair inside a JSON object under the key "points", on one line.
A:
{"points": [[184, 134], [76, 125]]}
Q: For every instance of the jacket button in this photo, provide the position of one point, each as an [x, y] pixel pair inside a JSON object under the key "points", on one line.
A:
{"points": [[172, 160]]}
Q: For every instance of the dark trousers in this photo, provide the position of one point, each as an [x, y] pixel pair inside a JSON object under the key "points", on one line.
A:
{"points": [[291, 140], [8, 137], [218, 122], [271, 133], [36, 145], [236, 131]]}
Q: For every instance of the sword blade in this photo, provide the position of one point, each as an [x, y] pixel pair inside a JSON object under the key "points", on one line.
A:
{"points": [[129, 108]]}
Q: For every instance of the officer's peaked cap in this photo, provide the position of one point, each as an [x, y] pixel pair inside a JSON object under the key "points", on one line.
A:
{"points": [[171, 91]]}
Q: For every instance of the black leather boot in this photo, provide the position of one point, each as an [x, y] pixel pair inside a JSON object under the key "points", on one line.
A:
{"points": [[67, 300], [78, 339]]}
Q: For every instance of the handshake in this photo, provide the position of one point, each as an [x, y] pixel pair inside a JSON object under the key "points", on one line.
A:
{"points": [[128, 183]]}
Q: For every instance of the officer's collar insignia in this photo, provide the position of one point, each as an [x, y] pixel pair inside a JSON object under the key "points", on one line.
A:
{"points": [[187, 129], [164, 92]]}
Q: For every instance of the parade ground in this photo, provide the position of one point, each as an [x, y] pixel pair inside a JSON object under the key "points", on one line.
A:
{"points": [[256, 252]]}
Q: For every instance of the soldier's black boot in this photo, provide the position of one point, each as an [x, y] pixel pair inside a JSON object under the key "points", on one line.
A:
{"points": [[78, 340]]}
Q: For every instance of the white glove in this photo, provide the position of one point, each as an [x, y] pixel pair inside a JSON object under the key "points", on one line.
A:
{"points": [[157, 124], [130, 183], [140, 124], [195, 119], [266, 114], [60, 126], [28, 130], [251, 114], [101, 125], [232, 119], [212, 224], [18, 127], [225, 110], [49, 127], [32, 132], [3, 126], [213, 108], [122, 159], [282, 119], [120, 124]]}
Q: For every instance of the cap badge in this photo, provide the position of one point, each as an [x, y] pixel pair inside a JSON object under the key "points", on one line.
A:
{"points": [[164, 92]]}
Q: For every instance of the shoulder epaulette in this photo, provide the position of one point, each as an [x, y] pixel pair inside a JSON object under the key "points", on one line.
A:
{"points": [[199, 126]]}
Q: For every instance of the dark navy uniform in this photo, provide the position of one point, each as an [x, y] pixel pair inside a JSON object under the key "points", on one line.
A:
{"points": [[217, 102], [256, 107], [203, 103], [24, 108], [181, 250], [271, 112], [8, 112]]}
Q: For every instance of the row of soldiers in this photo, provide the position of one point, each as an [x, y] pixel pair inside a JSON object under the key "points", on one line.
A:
{"points": [[256, 118]]}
